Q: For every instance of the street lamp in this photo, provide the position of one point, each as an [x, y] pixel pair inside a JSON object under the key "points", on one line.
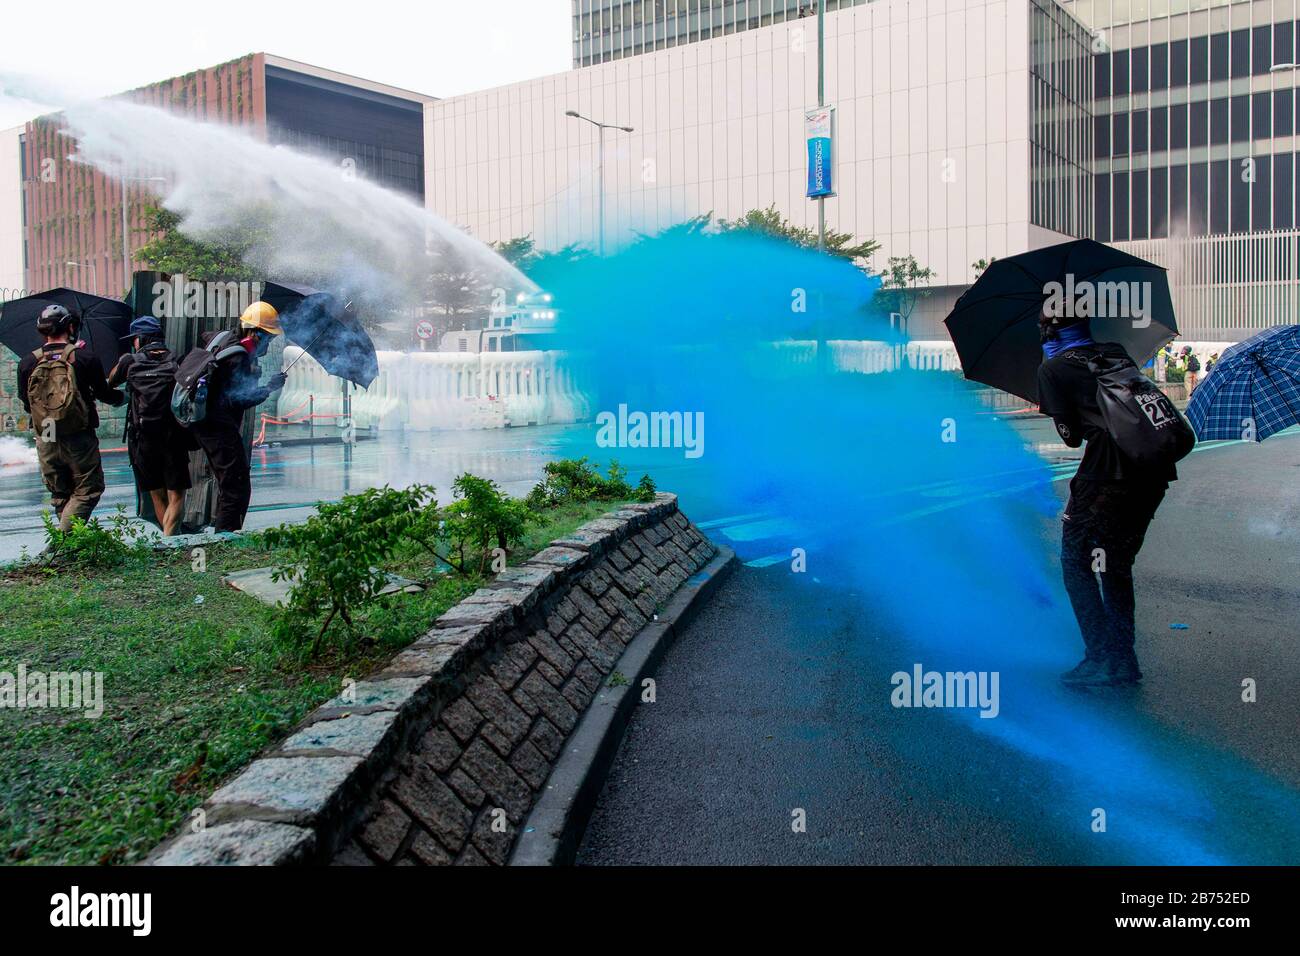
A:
{"points": [[94, 278], [601, 163], [126, 245]]}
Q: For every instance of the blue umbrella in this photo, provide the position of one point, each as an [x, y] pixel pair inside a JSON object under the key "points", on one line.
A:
{"points": [[1253, 389]]}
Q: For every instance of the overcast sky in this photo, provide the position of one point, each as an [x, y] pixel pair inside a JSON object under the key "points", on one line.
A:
{"points": [[56, 53]]}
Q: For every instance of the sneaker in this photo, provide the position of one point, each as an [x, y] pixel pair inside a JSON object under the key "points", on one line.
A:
{"points": [[1088, 672], [1123, 668]]}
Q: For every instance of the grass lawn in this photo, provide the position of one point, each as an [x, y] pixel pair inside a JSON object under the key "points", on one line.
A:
{"points": [[192, 689]]}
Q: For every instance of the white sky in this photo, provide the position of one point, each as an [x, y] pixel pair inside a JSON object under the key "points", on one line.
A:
{"points": [[55, 54]]}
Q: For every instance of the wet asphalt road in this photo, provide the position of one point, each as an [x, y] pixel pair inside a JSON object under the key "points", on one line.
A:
{"points": [[776, 699]]}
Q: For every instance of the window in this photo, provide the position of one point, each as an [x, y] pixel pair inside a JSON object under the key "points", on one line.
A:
{"points": [[1198, 200], [1240, 43], [1198, 124], [1240, 118], [1159, 129], [1198, 55], [1139, 132], [1220, 177], [1119, 129], [1101, 206], [1178, 197], [1261, 108], [1119, 207], [1159, 203], [1239, 174], [1159, 66], [1219, 46], [1261, 50], [1283, 117], [1101, 75], [1283, 210], [1119, 72], [1139, 69], [1261, 194], [1178, 64], [1178, 126], [1284, 44], [1101, 137], [1141, 228]]}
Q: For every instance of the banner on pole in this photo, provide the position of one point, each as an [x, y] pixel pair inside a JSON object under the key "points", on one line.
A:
{"points": [[819, 130]]}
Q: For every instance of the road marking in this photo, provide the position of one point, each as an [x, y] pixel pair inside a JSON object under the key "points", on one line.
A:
{"points": [[734, 519], [768, 561]]}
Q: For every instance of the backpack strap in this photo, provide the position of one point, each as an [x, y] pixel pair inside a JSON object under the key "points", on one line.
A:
{"points": [[39, 354], [68, 351]]}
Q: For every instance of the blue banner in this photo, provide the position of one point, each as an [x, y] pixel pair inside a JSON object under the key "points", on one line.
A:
{"points": [[818, 127]]}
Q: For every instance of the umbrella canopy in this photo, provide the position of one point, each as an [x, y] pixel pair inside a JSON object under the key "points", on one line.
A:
{"points": [[102, 322], [1253, 391], [326, 328], [994, 324]]}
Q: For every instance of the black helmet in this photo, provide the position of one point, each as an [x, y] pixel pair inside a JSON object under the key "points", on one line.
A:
{"points": [[54, 320]]}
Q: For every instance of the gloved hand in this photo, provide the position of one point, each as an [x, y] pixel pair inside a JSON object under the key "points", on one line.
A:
{"points": [[276, 381]]}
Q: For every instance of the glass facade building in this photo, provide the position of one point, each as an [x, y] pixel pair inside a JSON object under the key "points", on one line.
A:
{"points": [[605, 30], [1194, 149]]}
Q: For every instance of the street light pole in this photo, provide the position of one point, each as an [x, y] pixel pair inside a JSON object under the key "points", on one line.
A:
{"points": [[126, 245], [600, 169], [821, 101], [94, 277]]}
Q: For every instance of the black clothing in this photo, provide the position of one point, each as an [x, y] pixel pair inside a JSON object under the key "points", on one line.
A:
{"points": [[224, 447], [90, 379], [1067, 392], [1103, 528], [233, 388], [159, 460]]}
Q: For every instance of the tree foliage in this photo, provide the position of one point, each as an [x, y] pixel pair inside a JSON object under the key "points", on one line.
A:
{"points": [[171, 250]]}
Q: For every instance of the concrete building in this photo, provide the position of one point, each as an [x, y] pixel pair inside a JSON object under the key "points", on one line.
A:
{"points": [[967, 129], [72, 213], [963, 132], [605, 30], [11, 214]]}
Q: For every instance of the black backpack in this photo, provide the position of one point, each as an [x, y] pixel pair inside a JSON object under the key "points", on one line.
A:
{"points": [[151, 380], [194, 374], [1146, 427], [1193, 363]]}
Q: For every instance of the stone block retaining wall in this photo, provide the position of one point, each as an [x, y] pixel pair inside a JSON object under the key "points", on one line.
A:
{"points": [[438, 758]]}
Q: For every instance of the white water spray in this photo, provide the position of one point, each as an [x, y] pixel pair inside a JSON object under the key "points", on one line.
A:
{"points": [[314, 219]]}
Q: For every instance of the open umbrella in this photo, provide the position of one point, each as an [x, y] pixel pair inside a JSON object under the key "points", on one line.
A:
{"points": [[994, 324], [1253, 391], [102, 322], [326, 328]]}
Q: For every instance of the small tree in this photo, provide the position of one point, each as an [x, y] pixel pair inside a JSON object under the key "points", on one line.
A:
{"points": [[770, 222], [902, 285], [481, 520], [170, 250], [981, 266]]}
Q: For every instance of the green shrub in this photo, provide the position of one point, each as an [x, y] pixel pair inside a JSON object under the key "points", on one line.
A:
{"points": [[576, 480], [88, 544], [333, 557], [481, 520]]}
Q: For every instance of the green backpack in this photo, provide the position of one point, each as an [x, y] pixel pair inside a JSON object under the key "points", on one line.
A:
{"points": [[53, 395]]}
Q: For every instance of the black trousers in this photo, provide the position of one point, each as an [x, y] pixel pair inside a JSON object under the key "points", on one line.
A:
{"points": [[225, 450], [1103, 528]]}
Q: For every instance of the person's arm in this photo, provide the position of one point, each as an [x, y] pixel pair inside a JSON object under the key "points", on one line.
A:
{"points": [[1054, 403], [24, 373], [123, 365], [90, 366]]}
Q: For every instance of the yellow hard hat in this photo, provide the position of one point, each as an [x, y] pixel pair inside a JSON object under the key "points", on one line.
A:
{"points": [[261, 315]]}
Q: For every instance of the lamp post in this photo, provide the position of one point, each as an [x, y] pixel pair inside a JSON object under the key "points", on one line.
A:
{"points": [[601, 167], [126, 244], [94, 278]]}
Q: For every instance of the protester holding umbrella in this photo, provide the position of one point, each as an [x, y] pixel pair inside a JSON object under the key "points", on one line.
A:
{"points": [[1066, 327], [1253, 391], [58, 384], [234, 387]]}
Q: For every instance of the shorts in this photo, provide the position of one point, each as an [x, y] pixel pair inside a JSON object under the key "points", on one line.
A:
{"points": [[160, 461]]}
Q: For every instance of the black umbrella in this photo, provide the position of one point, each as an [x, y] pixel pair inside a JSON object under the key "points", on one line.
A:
{"points": [[326, 328], [994, 324], [102, 322]]}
